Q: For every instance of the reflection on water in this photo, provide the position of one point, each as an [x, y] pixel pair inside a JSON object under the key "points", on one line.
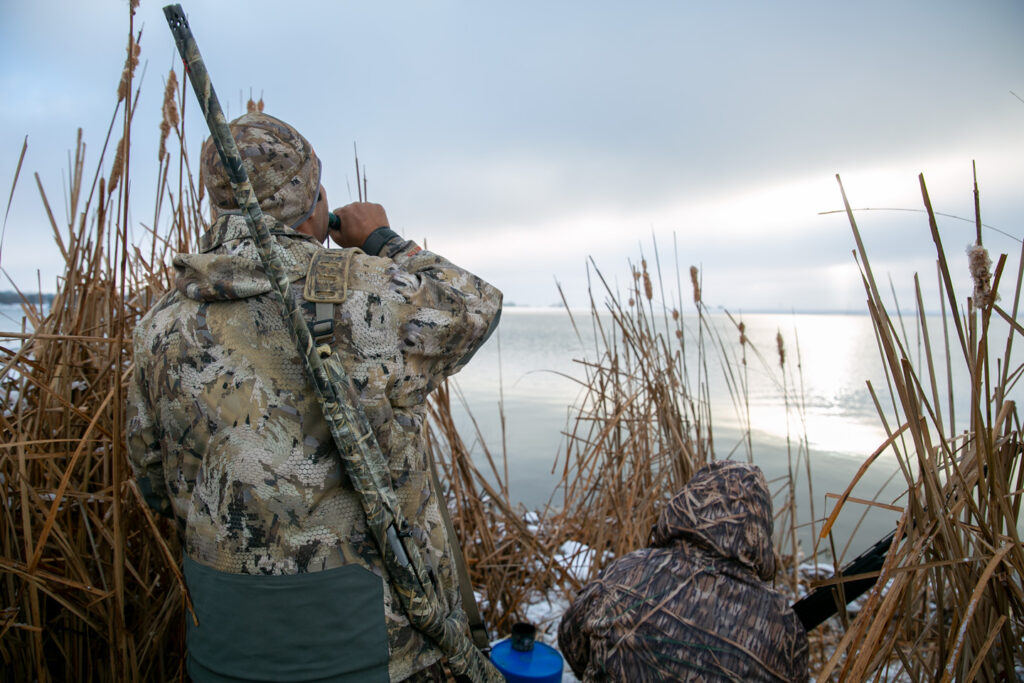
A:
{"points": [[829, 360]]}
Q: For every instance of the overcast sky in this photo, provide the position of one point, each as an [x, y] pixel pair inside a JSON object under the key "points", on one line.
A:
{"points": [[521, 138]]}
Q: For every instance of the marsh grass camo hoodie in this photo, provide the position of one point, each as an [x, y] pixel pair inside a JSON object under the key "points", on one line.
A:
{"points": [[694, 606]]}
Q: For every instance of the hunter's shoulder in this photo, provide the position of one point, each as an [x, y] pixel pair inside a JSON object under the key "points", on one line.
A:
{"points": [[333, 273], [164, 311]]}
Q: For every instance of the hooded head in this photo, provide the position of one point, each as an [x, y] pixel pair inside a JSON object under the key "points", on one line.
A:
{"points": [[283, 170], [724, 508]]}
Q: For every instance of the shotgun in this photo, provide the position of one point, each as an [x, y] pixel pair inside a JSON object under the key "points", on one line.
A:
{"points": [[822, 602]]}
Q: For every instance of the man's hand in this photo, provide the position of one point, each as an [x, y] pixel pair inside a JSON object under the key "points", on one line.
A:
{"points": [[358, 220]]}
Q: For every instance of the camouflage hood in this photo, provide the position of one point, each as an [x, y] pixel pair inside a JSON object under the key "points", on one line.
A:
{"points": [[228, 265], [280, 163], [724, 508]]}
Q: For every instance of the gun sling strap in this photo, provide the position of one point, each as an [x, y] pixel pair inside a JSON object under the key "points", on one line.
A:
{"points": [[322, 330]]}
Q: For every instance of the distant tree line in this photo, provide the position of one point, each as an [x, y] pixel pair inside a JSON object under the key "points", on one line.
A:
{"points": [[9, 297]]}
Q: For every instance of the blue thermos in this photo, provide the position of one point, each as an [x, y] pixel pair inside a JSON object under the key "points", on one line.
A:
{"points": [[521, 659]]}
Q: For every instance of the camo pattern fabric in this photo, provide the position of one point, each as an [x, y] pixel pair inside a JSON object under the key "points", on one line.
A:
{"points": [[225, 431], [282, 168], [694, 605]]}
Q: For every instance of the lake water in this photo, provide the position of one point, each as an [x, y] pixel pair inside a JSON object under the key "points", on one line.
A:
{"points": [[533, 359], [10, 317]]}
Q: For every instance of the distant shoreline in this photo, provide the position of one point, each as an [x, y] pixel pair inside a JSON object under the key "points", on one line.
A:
{"points": [[9, 297], [526, 308]]}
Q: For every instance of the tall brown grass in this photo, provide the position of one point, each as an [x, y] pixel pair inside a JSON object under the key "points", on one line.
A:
{"points": [[645, 421], [949, 602], [90, 587]]}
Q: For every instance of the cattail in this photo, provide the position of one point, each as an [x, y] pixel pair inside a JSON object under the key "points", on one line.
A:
{"points": [[696, 284], [743, 333], [115, 171], [679, 334], [675, 314], [782, 349], [980, 264], [130, 62], [632, 302], [170, 113], [648, 289]]}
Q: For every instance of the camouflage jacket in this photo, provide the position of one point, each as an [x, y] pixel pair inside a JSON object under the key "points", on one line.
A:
{"points": [[225, 433], [693, 606]]}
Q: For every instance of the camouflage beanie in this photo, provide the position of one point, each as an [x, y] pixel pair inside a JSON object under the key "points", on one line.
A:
{"points": [[283, 170]]}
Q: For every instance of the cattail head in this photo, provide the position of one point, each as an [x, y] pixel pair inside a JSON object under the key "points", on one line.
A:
{"points": [[170, 112], [130, 62], [743, 333], [980, 265], [782, 349], [118, 167], [695, 280], [675, 314], [648, 289]]}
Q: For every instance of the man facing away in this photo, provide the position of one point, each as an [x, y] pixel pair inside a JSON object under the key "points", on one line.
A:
{"points": [[226, 435], [693, 606]]}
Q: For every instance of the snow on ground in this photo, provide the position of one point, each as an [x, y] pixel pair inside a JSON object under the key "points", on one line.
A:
{"points": [[577, 558]]}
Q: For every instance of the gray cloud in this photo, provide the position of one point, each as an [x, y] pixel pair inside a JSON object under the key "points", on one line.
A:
{"points": [[564, 129]]}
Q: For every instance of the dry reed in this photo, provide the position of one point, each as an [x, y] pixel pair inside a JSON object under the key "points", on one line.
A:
{"points": [[89, 582], [949, 603], [90, 587], [645, 423]]}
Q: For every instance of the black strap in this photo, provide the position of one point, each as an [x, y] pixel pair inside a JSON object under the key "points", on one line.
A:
{"points": [[322, 326]]}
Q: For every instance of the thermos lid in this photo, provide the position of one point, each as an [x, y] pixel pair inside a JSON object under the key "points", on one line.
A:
{"points": [[521, 659]]}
